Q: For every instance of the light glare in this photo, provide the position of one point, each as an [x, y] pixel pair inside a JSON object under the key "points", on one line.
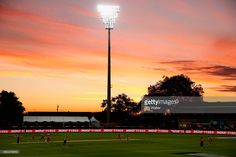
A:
{"points": [[109, 13]]}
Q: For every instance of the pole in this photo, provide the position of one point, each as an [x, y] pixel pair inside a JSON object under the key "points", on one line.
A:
{"points": [[109, 79]]}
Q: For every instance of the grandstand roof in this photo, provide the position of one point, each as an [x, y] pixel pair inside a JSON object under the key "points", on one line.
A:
{"points": [[55, 119], [89, 114]]}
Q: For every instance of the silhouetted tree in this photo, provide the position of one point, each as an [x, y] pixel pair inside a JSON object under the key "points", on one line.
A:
{"points": [[11, 109], [122, 104], [178, 85]]}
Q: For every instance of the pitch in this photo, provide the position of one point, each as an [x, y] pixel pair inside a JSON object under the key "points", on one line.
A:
{"points": [[109, 144]]}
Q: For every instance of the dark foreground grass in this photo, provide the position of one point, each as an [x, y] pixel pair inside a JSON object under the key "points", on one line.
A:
{"points": [[144, 145]]}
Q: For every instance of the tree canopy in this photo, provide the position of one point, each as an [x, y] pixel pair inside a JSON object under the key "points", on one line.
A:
{"points": [[178, 85], [11, 109], [122, 103]]}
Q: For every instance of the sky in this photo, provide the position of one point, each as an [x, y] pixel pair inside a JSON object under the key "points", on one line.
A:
{"points": [[54, 52]]}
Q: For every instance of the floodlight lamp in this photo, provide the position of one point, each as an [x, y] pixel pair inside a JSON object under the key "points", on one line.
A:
{"points": [[108, 13]]}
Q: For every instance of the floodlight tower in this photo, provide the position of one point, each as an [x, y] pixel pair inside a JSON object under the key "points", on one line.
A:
{"points": [[108, 13]]}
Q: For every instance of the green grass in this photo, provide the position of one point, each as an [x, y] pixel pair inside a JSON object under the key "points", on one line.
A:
{"points": [[148, 145]]}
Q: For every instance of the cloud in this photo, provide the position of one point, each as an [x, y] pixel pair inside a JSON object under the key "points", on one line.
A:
{"points": [[155, 69], [84, 11], [226, 88], [29, 39], [10, 12], [224, 71], [225, 44], [50, 62], [178, 62], [221, 49], [229, 73]]}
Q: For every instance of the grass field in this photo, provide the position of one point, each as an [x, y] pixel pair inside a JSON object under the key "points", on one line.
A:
{"points": [[106, 145]]}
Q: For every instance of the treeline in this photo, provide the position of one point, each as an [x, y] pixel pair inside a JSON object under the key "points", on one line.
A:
{"points": [[178, 85]]}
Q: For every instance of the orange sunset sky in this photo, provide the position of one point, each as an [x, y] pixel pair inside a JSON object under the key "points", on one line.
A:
{"points": [[54, 52]]}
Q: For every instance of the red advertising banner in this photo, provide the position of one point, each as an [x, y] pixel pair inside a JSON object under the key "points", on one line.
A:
{"points": [[120, 131]]}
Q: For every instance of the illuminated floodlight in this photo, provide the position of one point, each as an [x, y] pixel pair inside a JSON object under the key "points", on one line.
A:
{"points": [[108, 13]]}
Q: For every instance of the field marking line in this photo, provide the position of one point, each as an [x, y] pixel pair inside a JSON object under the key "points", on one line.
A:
{"points": [[225, 138], [48, 155], [205, 155], [80, 141]]}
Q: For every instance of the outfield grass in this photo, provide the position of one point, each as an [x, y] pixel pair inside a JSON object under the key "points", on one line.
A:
{"points": [[106, 145]]}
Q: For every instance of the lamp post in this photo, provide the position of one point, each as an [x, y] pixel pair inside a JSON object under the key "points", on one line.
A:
{"points": [[108, 13]]}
